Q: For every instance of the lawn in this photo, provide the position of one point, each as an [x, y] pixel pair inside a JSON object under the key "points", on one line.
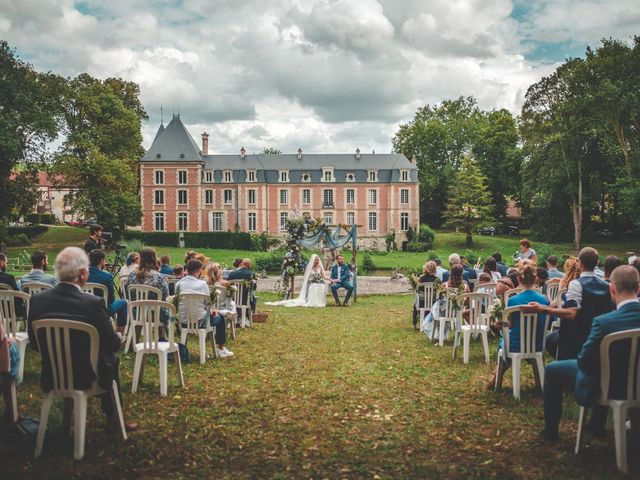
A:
{"points": [[331, 393]]}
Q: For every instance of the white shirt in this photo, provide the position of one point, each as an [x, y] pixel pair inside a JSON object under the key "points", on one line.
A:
{"points": [[574, 291], [623, 303], [126, 270], [440, 271], [191, 284]]}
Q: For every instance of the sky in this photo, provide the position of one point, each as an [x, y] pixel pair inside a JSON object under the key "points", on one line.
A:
{"points": [[327, 76]]}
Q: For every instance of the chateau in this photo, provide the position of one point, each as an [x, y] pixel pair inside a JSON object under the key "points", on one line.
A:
{"points": [[184, 188]]}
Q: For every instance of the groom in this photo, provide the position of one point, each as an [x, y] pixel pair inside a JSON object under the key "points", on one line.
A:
{"points": [[340, 274]]}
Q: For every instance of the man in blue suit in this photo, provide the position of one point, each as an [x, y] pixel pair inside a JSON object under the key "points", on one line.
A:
{"points": [[117, 308], [582, 375], [341, 278]]}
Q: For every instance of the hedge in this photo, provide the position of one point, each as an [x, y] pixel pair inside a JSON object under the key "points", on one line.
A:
{"points": [[31, 231], [37, 218], [224, 240]]}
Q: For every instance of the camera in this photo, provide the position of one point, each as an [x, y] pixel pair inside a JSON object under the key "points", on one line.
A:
{"points": [[106, 236]]}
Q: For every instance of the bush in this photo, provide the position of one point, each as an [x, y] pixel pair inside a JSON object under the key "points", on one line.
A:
{"points": [[225, 240], [17, 240], [426, 236], [411, 235], [29, 231], [367, 263], [417, 247], [260, 242], [38, 218], [132, 235], [471, 256], [160, 239], [271, 262]]}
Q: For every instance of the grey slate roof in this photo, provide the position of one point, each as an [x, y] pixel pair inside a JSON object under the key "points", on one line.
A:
{"points": [[173, 143]]}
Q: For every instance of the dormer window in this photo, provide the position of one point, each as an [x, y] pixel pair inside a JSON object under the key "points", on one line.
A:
{"points": [[208, 176], [350, 177], [327, 174], [306, 177], [283, 175], [227, 176], [251, 175], [404, 175], [373, 175]]}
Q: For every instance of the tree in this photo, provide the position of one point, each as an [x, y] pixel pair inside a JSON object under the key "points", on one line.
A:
{"points": [[29, 121], [469, 203], [271, 151]]}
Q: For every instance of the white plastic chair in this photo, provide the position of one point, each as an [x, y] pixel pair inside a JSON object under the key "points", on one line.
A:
{"points": [[10, 321], [34, 287], [553, 287], [122, 288], [4, 286], [528, 348], [472, 284], [192, 302], [245, 316], [477, 305], [149, 312], [229, 321], [449, 315], [489, 288], [556, 323], [619, 406], [57, 339], [512, 292], [138, 292], [94, 288], [12, 405], [425, 291]]}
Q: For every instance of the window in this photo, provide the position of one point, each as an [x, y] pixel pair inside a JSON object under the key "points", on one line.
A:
{"points": [[373, 221], [182, 222], [306, 177], [159, 177], [351, 195], [216, 221], [328, 198], [373, 197], [284, 197], [404, 196], [351, 218], [182, 197], [227, 176], [350, 177], [373, 175], [208, 197], [208, 176], [404, 221], [159, 222], [252, 222], [404, 175], [182, 177], [284, 175], [251, 175], [228, 197], [283, 221], [328, 218], [158, 197], [327, 174], [306, 196], [251, 197]]}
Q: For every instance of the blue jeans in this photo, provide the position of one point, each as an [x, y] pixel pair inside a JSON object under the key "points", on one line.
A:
{"points": [[220, 325], [347, 286], [119, 309], [560, 375]]}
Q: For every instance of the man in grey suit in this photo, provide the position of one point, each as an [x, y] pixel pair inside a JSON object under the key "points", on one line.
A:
{"points": [[40, 263]]}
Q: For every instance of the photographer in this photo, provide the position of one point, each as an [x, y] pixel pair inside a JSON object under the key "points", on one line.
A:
{"points": [[95, 240]]}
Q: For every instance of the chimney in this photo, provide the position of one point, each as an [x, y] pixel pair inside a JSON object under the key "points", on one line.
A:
{"points": [[358, 153], [299, 153], [242, 152], [205, 143], [414, 160]]}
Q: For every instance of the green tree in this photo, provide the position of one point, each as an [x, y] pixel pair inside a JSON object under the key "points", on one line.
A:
{"points": [[469, 203], [271, 151], [30, 110]]}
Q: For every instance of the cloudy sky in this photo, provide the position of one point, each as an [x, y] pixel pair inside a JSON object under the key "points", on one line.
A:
{"points": [[323, 75]]}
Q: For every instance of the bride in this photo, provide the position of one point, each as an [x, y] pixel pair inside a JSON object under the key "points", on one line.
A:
{"points": [[313, 292]]}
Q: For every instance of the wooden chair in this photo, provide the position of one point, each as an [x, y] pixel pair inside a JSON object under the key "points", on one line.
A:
{"points": [[425, 296], [59, 350], [149, 312], [529, 329], [34, 287], [138, 292], [9, 317], [621, 406], [190, 323], [477, 322]]}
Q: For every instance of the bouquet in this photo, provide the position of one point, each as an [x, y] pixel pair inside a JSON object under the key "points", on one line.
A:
{"points": [[316, 278], [496, 309], [175, 299], [451, 293]]}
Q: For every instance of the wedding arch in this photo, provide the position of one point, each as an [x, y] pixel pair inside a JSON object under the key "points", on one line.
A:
{"points": [[304, 231]]}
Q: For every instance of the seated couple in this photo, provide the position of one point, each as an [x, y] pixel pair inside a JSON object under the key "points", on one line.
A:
{"points": [[313, 291], [192, 283]]}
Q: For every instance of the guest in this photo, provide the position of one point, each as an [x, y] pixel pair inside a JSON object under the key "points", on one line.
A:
{"points": [[94, 242], [502, 267], [97, 274], [428, 275], [542, 275], [636, 264], [512, 273], [188, 256], [587, 297], [504, 284], [9, 361], [454, 259], [610, 264], [66, 301], [526, 252], [165, 268], [178, 271], [40, 263], [5, 278], [582, 375], [527, 281], [571, 272], [214, 275], [147, 273], [193, 284], [552, 267], [244, 272], [237, 262], [491, 268], [131, 265], [439, 270], [456, 278], [471, 272]]}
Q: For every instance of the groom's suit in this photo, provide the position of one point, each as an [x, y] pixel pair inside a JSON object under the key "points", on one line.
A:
{"points": [[341, 273]]}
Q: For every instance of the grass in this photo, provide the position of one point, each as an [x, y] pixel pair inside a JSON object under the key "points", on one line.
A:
{"points": [[329, 393]]}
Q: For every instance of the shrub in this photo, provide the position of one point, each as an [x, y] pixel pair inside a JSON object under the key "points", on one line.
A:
{"points": [[133, 245], [30, 231], [226, 240], [471, 256], [367, 263], [132, 235], [17, 240], [417, 246], [271, 262], [260, 242], [426, 236], [411, 235], [160, 239]]}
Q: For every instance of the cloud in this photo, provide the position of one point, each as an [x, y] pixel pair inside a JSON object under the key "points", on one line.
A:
{"points": [[323, 75]]}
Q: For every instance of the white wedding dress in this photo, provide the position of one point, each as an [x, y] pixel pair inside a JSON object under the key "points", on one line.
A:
{"points": [[312, 294]]}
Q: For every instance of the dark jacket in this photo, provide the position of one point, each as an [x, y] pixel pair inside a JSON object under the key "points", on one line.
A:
{"points": [[166, 269], [8, 280], [240, 274], [67, 302], [588, 378], [91, 245]]}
